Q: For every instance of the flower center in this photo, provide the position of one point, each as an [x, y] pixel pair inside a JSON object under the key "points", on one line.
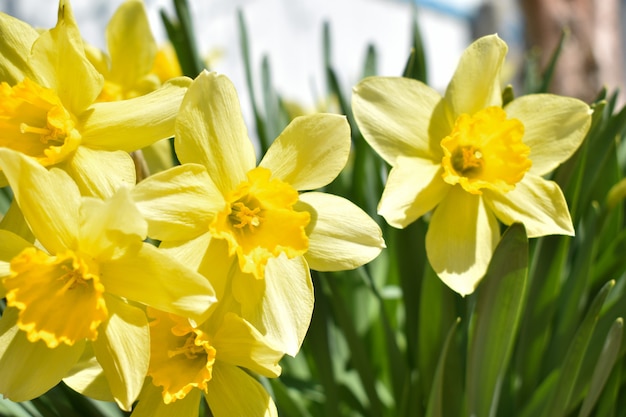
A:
{"points": [[59, 297], [485, 150], [259, 222], [181, 357], [33, 121]]}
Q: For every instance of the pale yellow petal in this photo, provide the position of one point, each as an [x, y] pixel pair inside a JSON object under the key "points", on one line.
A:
{"points": [[135, 123], [87, 377], [461, 238], [414, 187], [227, 388], [341, 235], [123, 350], [130, 43], [400, 116], [28, 370], [59, 58], [110, 228], [179, 203], [284, 312], [476, 82], [49, 200], [98, 172], [11, 245], [210, 130], [16, 40], [153, 278], [151, 404], [535, 202], [554, 127], [310, 152], [240, 344]]}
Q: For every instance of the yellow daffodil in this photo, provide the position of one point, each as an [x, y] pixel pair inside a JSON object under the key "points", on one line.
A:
{"points": [[188, 361], [82, 285], [471, 159], [48, 90], [235, 220], [133, 66]]}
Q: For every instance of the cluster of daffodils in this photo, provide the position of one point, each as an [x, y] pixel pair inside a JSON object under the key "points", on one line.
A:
{"points": [[227, 292]]}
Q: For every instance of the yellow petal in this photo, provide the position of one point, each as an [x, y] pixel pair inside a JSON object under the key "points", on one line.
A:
{"points": [[181, 356], [414, 187], [130, 43], [61, 64], [229, 385], [98, 172], [216, 264], [554, 127], [476, 82], [153, 278], [341, 236], [87, 377], [132, 124], [111, 228], [238, 343], [461, 238], [11, 245], [179, 203], [49, 200], [535, 202], [60, 297], [28, 370], [16, 40], [210, 130], [400, 116], [310, 152], [122, 348], [284, 312], [151, 404]]}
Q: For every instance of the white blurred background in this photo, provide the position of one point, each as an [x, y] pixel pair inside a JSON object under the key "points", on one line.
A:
{"points": [[289, 33]]}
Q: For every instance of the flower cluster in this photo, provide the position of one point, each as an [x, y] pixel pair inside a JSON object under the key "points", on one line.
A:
{"points": [[226, 292]]}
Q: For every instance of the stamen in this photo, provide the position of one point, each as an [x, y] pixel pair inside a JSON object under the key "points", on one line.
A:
{"points": [[242, 216], [189, 349], [24, 128]]}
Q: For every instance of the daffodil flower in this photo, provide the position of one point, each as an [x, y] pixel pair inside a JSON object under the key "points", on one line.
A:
{"points": [[48, 90], [83, 285], [471, 159], [188, 362], [132, 52], [235, 220]]}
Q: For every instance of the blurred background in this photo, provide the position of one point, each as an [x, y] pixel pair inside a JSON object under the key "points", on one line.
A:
{"points": [[289, 34]]}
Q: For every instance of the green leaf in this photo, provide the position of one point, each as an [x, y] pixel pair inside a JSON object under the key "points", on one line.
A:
{"points": [[607, 359], [436, 398], [500, 297], [570, 367]]}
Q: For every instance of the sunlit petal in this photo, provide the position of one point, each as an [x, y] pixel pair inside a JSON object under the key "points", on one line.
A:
{"points": [[98, 172], [413, 188], [461, 238], [210, 130], [49, 200], [400, 116], [16, 40], [535, 202], [310, 152], [476, 82], [226, 389], [87, 377], [153, 278], [178, 203], [135, 123], [341, 235], [122, 348], [21, 361], [554, 127]]}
